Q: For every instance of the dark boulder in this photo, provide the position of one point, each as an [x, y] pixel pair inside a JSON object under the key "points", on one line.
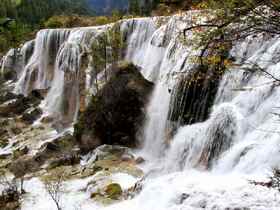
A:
{"points": [[9, 74], [60, 147], [60, 151], [116, 112]]}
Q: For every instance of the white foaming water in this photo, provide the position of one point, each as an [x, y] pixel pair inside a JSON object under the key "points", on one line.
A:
{"points": [[38, 72], [205, 165]]}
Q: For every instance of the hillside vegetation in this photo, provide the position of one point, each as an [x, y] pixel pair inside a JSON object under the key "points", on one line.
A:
{"points": [[18, 18]]}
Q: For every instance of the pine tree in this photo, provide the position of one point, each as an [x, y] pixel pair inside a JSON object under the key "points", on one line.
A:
{"points": [[134, 7]]}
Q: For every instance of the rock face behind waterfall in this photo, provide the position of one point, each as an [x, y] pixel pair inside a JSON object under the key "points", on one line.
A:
{"points": [[194, 95], [116, 112]]}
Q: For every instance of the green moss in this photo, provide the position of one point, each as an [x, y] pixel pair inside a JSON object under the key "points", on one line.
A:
{"points": [[113, 191]]}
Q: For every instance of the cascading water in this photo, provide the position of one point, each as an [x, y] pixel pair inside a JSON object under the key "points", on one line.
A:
{"points": [[11, 62], [205, 164], [63, 99], [38, 73], [55, 64], [241, 126], [26, 52]]}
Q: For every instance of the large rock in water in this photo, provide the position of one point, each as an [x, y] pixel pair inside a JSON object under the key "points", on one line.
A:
{"points": [[116, 112]]}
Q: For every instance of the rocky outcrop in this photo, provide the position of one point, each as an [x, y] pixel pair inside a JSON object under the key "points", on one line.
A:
{"points": [[17, 113], [61, 151], [17, 104], [116, 112], [111, 159]]}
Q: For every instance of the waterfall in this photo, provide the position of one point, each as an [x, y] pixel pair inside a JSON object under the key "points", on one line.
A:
{"points": [[62, 100], [11, 62], [241, 126], [205, 160], [38, 72], [201, 144], [26, 51], [232, 128]]}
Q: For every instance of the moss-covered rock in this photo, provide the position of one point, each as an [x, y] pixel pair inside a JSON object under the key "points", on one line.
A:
{"points": [[20, 152], [59, 152], [112, 159], [113, 191], [104, 190], [3, 141], [116, 112]]}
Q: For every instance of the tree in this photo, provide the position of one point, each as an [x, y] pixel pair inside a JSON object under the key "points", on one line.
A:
{"points": [[234, 20], [8, 184], [19, 169], [54, 187], [134, 7]]}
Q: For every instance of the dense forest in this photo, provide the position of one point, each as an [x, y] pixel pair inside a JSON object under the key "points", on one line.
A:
{"points": [[105, 7], [19, 18], [33, 11]]}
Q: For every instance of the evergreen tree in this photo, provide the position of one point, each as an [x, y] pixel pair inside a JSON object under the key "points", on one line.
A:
{"points": [[134, 7]]}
